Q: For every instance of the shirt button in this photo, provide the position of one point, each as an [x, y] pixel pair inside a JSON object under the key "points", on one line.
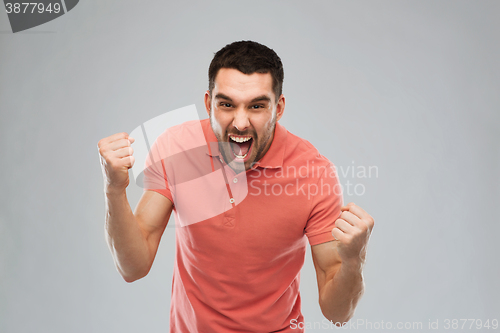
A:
{"points": [[231, 200], [235, 180]]}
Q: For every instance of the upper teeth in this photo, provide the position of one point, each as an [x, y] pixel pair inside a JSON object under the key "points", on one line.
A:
{"points": [[240, 139]]}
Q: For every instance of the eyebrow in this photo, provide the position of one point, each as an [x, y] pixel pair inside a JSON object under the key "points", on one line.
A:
{"points": [[256, 99], [263, 98], [222, 96]]}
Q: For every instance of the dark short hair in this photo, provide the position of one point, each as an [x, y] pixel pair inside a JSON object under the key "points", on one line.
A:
{"points": [[248, 57]]}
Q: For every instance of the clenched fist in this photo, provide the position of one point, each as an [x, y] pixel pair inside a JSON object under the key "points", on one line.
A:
{"points": [[352, 230], [116, 159]]}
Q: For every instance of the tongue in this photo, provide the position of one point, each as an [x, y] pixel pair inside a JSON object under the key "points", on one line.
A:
{"points": [[241, 148]]}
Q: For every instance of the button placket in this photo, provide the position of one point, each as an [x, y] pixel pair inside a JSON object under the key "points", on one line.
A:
{"points": [[229, 192]]}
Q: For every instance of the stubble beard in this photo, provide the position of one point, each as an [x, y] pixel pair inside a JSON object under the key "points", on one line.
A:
{"points": [[227, 152]]}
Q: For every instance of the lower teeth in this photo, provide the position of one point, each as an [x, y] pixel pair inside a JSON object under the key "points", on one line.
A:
{"points": [[240, 156]]}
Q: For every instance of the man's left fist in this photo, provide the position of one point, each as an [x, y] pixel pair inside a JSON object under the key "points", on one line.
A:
{"points": [[352, 230]]}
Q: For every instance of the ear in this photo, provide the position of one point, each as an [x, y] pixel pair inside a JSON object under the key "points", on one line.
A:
{"points": [[280, 108], [208, 102]]}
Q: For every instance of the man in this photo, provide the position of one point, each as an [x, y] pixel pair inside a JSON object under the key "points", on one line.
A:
{"points": [[239, 270]]}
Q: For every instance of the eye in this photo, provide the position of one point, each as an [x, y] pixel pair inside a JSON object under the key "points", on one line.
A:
{"points": [[257, 106], [225, 104]]}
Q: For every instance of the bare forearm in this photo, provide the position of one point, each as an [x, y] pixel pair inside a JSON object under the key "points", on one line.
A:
{"points": [[125, 238], [341, 294]]}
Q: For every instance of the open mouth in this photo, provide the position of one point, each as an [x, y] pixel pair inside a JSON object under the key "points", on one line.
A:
{"points": [[240, 145]]}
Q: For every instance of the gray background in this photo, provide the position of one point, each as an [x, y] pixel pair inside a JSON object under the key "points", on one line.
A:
{"points": [[410, 87]]}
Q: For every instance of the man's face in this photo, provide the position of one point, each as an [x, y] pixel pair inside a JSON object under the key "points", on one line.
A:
{"points": [[243, 111]]}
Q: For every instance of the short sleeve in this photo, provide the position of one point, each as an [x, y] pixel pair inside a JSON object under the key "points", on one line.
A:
{"points": [[325, 207], [155, 174]]}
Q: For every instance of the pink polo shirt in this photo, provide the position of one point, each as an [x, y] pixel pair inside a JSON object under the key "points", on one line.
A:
{"points": [[241, 238]]}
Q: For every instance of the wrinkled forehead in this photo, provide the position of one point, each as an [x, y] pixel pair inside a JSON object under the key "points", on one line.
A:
{"points": [[240, 87]]}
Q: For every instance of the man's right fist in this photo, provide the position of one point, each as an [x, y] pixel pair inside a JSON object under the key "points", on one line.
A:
{"points": [[116, 159]]}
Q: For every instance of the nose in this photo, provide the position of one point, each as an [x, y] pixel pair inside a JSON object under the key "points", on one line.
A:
{"points": [[241, 121]]}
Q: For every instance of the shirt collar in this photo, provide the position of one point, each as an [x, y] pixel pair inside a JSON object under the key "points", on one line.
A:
{"points": [[272, 159]]}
